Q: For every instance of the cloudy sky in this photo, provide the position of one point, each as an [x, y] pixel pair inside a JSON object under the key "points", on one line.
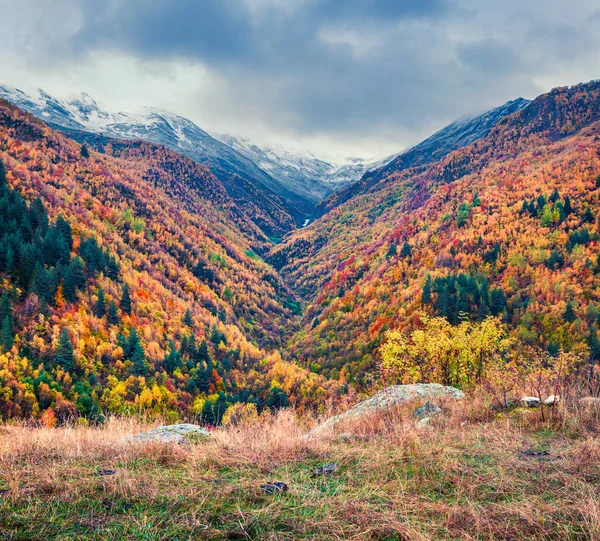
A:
{"points": [[340, 77]]}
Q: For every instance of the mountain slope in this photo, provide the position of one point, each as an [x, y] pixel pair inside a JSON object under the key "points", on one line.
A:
{"points": [[456, 135], [304, 173], [271, 205], [129, 282], [507, 225]]}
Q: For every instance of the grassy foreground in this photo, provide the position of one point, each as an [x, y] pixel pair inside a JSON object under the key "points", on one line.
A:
{"points": [[470, 476]]}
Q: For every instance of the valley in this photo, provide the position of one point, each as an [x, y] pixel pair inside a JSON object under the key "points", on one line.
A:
{"points": [[493, 216]]}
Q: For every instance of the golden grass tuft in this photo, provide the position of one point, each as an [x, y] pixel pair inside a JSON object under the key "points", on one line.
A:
{"points": [[472, 474]]}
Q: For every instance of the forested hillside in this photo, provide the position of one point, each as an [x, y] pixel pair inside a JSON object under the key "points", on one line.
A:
{"points": [[507, 226], [131, 281]]}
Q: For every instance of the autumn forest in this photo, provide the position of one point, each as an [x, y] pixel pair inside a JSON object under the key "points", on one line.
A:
{"points": [[132, 282]]}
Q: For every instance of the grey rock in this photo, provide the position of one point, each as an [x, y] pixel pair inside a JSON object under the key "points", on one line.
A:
{"points": [[274, 487], [427, 411], [552, 400], [388, 399], [328, 469], [530, 402], [173, 433]]}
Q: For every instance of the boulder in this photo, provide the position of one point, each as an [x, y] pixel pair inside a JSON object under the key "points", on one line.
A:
{"points": [[173, 433], [530, 402], [389, 398], [552, 400]]}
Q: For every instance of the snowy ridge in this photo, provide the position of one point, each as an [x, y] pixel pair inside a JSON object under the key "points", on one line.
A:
{"points": [[303, 172], [300, 178]]}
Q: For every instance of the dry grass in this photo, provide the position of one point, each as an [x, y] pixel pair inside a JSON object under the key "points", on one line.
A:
{"points": [[464, 478]]}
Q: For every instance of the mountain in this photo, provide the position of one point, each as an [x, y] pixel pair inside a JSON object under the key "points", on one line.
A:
{"points": [[506, 226], [304, 174], [456, 135], [130, 281], [270, 204]]}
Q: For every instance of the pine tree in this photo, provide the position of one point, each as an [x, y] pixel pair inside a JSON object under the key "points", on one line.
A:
{"points": [[278, 398], [568, 207], [85, 153], [5, 308], [6, 334], [100, 306], [208, 415], [219, 408], [569, 313], [112, 316], [426, 296], [65, 229], [125, 302], [392, 250], [136, 354], [594, 344], [64, 351], [74, 279], [406, 250], [187, 318], [202, 354], [497, 301]]}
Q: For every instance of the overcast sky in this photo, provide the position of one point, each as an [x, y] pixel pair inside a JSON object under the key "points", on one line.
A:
{"points": [[345, 77]]}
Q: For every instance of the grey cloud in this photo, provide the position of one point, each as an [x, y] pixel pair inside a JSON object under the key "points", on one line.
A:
{"points": [[394, 69]]}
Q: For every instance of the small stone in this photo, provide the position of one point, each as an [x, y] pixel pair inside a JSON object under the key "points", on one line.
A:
{"points": [[106, 472], [325, 470], [530, 402], [274, 487], [427, 410]]}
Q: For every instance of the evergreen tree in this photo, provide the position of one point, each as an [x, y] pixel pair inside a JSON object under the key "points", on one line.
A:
{"points": [[216, 337], [46, 284], [125, 302], [426, 297], [569, 313], [392, 250], [594, 344], [172, 359], [406, 250], [65, 229], [136, 354], [73, 279], [84, 152], [568, 207], [64, 351], [187, 318], [497, 301], [6, 334], [278, 398], [100, 305], [219, 408], [207, 414], [6, 308], [202, 354], [112, 316]]}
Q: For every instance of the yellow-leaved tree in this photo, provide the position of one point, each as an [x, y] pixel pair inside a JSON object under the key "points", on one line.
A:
{"points": [[438, 352]]}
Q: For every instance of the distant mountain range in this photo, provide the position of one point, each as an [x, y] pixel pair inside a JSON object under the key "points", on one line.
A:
{"points": [[289, 184], [278, 189], [304, 173]]}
